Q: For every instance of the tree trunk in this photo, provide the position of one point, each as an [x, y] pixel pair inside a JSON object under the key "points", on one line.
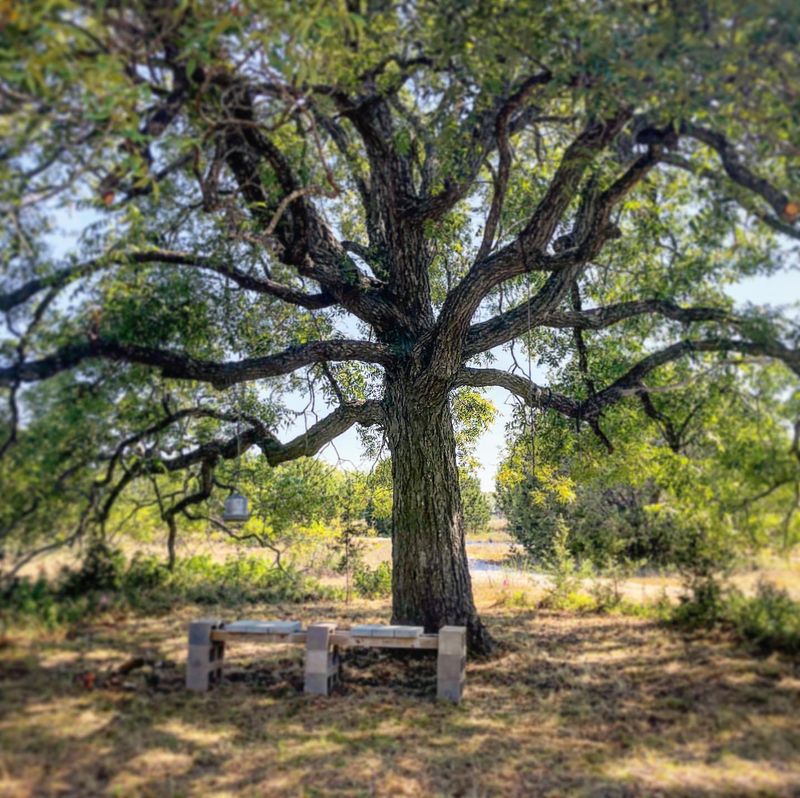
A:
{"points": [[430, 576]]}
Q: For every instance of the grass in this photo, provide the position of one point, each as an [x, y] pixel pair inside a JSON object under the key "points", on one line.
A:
{"points": [[574, 704]]}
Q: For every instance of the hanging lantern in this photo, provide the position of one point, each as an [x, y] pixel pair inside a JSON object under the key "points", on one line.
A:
{"points": [[235, 508]]}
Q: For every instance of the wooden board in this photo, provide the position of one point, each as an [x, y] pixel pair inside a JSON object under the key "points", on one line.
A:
{"points": [[223, 636], [346, 639], [341, 637]]}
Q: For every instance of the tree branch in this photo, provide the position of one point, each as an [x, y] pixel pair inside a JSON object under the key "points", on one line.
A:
{"points": [[247, 281], [528, 252], [531, 393], [176, 365], [507, 326], [739, 173], [630, 384], [305, 445]]}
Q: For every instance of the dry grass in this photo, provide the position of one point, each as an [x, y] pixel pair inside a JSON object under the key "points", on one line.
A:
{"points": [[573, 705]]}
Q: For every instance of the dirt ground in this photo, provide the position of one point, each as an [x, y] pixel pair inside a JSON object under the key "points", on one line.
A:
{"points": [[573, 705]]}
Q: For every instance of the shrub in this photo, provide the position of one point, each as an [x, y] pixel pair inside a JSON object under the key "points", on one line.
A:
{"points": [[374, 582], [566, 575], [766, 622], [146, 584], [102, 569]]}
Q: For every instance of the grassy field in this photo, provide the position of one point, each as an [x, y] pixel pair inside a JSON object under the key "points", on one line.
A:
{"points": [[572, 705]]}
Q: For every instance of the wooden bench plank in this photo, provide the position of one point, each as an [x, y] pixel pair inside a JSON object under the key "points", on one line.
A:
{"points": [[347, 639], [342, 637], [222, 635]]}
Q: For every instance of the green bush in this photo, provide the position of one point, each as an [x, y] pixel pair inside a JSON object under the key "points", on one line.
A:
{"points": [[102, 569], [374, 582], [566, 574], [104, 581], [766, 622]]}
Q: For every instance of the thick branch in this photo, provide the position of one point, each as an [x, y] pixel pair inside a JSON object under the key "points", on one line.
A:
{"points": [[507, 326], [630, 384], [738, 172], [528, 252], [250, 282], [531, 393], [304, 445], [181, 366]]}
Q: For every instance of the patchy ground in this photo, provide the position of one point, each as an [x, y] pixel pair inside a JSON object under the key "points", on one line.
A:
{"points": [[574, 705]]}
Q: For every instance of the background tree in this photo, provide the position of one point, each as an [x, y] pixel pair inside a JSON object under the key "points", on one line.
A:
{"points": [[726, 452], [365, 199]]}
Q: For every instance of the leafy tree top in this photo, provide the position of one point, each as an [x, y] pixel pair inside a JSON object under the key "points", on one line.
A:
{"points": [[348, 192]]}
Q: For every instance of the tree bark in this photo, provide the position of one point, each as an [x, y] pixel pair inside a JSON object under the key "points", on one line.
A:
{"points": [[431, 585]]}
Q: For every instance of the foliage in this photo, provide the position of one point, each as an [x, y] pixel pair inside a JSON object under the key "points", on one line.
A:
{"points": [[215, 207], [475, 504], [766, 622], [378, 511], [144, 583], [565, 574], [728, 490], [375, 582], [101, 570]]}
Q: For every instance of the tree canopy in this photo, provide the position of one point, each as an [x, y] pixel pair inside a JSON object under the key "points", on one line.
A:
{"points": [[210, 205]]}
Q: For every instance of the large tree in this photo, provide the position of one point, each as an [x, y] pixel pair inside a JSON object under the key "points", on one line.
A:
{"points": [[372, 196]]}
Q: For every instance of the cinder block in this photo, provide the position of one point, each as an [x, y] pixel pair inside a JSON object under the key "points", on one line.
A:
{"points": [[317, 661], [284, 627], [318, 635], [453, 640], [196, 680], [204, 658], [200, 656], [450, 691], [248, 627], [321, 663], [200, 631], [264, 627], [316, 684], [451, 668], [451, 663], [371, 630], [407, 631]]}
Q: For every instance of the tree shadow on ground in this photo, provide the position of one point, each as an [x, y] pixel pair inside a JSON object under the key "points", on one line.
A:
{"points": [[573, 705]]}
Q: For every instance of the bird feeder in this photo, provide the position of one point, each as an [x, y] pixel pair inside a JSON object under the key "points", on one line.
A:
{"points": [[235, 508]]}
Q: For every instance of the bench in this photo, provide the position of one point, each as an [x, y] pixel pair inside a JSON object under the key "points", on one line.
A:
{"points": [[323, 642]]}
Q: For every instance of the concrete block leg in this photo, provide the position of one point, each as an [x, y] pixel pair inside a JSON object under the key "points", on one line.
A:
{"points": [[451, 663], [322, 660], [206, 656]]}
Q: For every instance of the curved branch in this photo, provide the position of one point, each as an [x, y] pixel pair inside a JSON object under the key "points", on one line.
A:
{"points": [[739, 173], [305, 445], [168, 257], [630, 384], [532, 394], [528, 252], [185, 367], [507, 326]]}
